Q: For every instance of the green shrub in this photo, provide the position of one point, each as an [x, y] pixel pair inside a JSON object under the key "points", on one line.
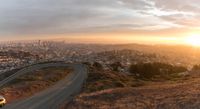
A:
{"points": [[152, 70]]}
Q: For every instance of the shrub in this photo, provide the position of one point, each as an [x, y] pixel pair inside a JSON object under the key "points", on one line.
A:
{"points": [[151, 70], [115, 66], [196, 67], [97, 66]]}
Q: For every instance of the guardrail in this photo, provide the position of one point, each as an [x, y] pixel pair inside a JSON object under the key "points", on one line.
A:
{"points": [[29, 69]]}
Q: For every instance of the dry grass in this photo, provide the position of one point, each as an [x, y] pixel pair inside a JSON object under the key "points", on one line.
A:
{"points": [[33, 82], [180, 95], [106, 79]]}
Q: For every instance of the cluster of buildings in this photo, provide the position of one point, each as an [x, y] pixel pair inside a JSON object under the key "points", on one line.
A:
{"points": [[16, 55], [10, 60]]}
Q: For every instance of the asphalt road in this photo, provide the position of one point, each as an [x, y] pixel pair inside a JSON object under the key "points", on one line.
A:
{"points": [[53, 97]]}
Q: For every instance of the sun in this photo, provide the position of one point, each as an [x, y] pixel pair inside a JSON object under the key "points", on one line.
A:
{"points": [[193, 40]]}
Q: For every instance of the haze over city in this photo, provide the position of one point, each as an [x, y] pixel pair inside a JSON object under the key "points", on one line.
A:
{"points": [[99, 54]]}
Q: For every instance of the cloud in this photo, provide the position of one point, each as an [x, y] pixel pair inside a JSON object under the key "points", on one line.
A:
{"points": [[184, 13], [24, 17]]}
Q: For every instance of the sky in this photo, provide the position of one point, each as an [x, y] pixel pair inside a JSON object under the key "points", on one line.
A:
{"points": [[99, 20]]}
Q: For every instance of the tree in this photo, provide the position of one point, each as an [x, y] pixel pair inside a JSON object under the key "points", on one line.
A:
{"points": [[196, 67], [97, 66], [115, 66], [151, 70]]}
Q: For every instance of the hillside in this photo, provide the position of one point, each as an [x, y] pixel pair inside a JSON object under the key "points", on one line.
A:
{"points": [[161, 95], [105, 89]]}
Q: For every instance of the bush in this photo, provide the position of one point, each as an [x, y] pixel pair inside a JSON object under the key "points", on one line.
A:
{"points": [[152, 70], [196, 67], [115, 66], [97, 66]]}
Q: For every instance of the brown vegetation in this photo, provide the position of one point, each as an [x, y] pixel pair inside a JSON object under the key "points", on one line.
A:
{"points": [[33, 82], [102, 92], [106, 79], [183, 94]]}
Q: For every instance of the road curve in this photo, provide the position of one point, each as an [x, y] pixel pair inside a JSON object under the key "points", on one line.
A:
{"points": [[54, 96]]}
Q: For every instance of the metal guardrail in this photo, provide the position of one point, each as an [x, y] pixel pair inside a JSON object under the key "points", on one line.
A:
{"points": [[29, 69]]}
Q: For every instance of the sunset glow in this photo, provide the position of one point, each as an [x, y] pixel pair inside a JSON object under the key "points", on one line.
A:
{"points": [[193, 40], [141, 52], [101, 21]]}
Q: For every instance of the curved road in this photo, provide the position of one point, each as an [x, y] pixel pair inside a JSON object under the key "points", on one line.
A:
{"points": [[53, 97]]}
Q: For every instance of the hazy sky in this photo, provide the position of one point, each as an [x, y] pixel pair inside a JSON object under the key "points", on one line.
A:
{"points": [[145, 18]]}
